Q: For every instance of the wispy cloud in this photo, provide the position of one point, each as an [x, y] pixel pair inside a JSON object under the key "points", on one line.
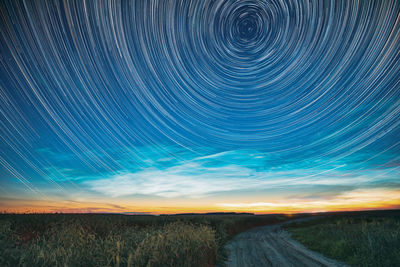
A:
{"points": [[355, 199], [229, 171], [178, 181]]}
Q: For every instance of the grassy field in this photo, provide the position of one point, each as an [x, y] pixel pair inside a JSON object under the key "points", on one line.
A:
{"points": [[120, 240], [358, 239]]}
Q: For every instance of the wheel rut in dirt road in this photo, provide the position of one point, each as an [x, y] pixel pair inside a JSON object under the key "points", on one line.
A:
{"points": [[272, 246]]}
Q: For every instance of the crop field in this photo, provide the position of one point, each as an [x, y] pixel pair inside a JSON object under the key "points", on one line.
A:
{"points": [[355, 238], [358, 239], [120, 240]]}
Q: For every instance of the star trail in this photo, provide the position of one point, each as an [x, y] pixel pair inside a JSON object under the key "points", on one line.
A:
{"points": [[218, 105]]}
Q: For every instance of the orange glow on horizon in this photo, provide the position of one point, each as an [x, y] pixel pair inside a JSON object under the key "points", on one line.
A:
{"points": [[156, 211], [351, 201]]}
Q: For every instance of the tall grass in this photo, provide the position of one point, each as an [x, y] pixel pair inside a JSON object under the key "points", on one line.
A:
{"points": [[178, 244], [357, 241], [119, 240]]}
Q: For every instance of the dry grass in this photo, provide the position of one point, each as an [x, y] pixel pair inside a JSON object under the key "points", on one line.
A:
{"points": [[118, 240]]}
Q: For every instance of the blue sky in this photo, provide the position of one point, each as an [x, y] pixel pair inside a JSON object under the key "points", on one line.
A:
{"points": [[174, 103]]}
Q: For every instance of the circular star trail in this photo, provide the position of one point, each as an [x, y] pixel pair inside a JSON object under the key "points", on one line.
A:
{"points": [[302, 79]]}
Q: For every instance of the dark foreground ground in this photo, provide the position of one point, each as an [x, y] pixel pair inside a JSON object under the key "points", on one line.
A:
{"points": [[358, 239], [120, 240], [193, 240]]}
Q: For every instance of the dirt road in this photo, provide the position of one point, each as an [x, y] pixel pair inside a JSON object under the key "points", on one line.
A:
{"points": [[272, 246]]}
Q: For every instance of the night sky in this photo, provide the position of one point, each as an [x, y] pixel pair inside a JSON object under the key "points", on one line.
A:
{"points": [[193, 106]]}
